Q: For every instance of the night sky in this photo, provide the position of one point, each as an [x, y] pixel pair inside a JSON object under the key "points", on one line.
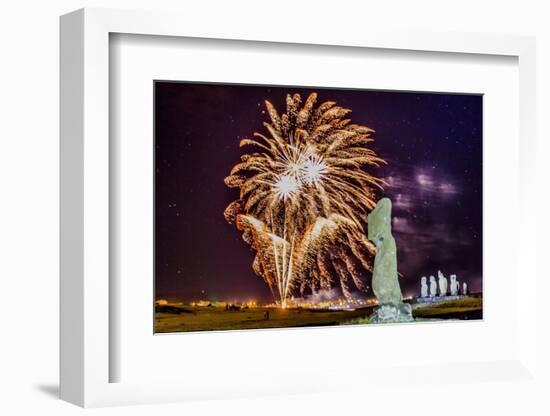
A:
{"points": [[432, 143]]}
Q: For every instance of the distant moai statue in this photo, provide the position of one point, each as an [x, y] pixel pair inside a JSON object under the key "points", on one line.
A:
{"points": [[424, 287], [464, 288], [442, 284], [454, 285], [433, 286]]}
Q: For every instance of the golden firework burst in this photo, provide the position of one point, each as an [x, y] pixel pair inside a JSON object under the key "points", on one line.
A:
{"points": [[305, 194]]}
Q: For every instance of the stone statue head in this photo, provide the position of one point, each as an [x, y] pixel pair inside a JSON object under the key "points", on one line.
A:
{"points": [[440, 275], [453, 278], [423, 280], [432, 279], [379, 221]]}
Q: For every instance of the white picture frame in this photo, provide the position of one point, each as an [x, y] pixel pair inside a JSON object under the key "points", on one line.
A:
{"points": [[85, 185]]}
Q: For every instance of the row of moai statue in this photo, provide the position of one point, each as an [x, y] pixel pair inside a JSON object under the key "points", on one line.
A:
{"points": [[444, 287]]}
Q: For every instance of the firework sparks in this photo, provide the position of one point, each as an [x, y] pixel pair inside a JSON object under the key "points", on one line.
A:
{"points": [[285, 186], [314, 170], [304, 198]]}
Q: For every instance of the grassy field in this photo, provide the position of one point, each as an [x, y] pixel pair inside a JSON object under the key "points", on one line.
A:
{"points": [[194, 318], [217, 318], [467, 308]]}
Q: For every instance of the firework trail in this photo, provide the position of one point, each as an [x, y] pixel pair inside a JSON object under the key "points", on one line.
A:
{"points": [[304, 198]]}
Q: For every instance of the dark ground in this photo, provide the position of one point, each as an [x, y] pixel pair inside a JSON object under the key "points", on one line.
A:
{"points": [[186, 318]]}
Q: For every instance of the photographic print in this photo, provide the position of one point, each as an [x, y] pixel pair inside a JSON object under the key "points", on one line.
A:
{"points": [[281, 207]]}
